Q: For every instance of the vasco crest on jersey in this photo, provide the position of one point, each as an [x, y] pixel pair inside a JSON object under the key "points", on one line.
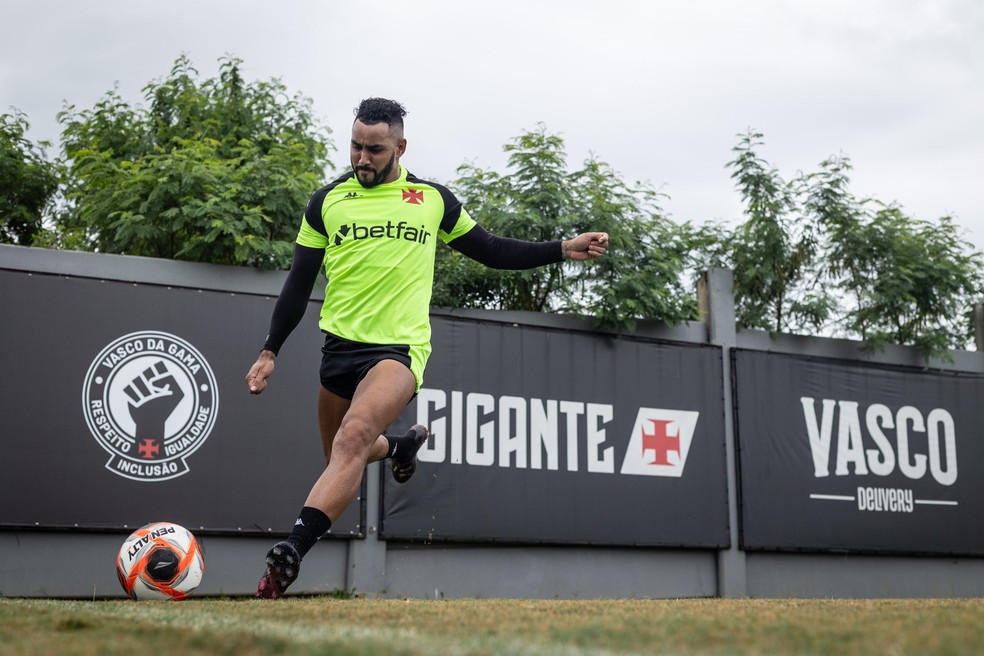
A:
{"points": [[150, 400]]}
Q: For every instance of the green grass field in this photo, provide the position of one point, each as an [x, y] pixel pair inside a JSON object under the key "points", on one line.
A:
{"points": [[325, 625]]}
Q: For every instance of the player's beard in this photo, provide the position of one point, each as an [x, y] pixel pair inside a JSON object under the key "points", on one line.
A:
{"points": [[379, 176]]}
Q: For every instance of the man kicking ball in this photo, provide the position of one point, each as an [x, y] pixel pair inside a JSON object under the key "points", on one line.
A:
{"points": [[375, 231]]}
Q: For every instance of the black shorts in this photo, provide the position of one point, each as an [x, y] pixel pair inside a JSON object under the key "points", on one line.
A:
{"points": [[345, 363]]}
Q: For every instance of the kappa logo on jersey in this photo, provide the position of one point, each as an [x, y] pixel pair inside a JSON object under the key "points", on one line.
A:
{"points": [[150, 400], [389, 230], [413, 196], [660, 442]]}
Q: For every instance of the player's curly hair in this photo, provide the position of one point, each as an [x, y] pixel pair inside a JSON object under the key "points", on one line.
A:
{"points": [[380, 110]]}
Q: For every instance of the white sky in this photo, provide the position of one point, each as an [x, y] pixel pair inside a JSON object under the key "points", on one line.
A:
{"points": [[657, 89]]}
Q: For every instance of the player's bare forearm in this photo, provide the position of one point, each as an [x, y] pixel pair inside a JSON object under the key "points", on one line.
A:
{"points": [[261, 370], [586, 246]]}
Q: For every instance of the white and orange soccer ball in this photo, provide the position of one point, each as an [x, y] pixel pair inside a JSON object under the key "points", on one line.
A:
{"points": [[160, 561]]}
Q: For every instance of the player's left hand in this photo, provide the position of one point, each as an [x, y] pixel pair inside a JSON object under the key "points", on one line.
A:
{"points": [[586, 246]]}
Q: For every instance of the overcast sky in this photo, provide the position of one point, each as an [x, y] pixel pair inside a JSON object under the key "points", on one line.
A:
{"points": [[657, 89]]}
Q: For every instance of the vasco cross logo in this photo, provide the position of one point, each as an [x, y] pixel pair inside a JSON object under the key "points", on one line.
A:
{"points": [[150, 400], [660, 442], [413, 196]]}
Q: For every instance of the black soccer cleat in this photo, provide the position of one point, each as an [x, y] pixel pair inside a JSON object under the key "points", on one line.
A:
{"points": [[403, 469], [283, 564]]}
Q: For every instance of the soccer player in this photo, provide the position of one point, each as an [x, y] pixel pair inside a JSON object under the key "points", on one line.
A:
{"points": [[375, 230]]}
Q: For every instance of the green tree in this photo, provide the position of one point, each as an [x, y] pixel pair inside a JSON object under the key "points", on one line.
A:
{"points": [[539, 198], [652, 265], [215, 170], [28, 182], [534, 203], [774, 252], [811, 257], [902, 280]]}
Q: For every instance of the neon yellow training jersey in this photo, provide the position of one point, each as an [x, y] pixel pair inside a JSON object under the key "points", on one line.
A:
{"points": [[379, 257]]}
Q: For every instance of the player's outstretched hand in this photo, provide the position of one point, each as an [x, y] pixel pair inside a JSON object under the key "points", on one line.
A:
{"points": [[586, 246], [262, 369]]}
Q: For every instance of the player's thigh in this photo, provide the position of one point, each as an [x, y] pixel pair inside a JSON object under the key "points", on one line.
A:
{"points": [[380, 397]]}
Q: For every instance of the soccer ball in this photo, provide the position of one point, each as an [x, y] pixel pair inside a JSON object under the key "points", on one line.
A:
{"points": [[160, 561]]}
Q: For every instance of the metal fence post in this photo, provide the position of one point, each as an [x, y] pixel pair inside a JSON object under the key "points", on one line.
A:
{"points": [[715, 294], [367, 557]]}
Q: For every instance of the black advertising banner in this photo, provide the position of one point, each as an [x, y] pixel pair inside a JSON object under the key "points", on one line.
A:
{"points": [[546, 436], [126, 403], [843, 457]]}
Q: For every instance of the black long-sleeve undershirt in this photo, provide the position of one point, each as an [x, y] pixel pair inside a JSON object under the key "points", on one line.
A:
{"points": [[478, 244], [505, 253], [292, 303]]}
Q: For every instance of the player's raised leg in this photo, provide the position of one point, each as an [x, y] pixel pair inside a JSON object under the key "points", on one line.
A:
{"points": [[378, 401], [400, 449]]}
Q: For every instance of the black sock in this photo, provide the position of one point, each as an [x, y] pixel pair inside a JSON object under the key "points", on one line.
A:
{"points": [[401, 447], [311, 524]]}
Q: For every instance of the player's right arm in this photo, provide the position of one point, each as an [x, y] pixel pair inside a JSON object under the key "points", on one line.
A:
{"points": [[287, 313]]}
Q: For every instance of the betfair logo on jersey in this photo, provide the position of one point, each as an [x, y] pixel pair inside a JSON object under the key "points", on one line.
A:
{"points": [[388, 230]]}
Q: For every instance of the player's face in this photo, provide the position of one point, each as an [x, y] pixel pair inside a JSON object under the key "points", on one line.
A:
{"points": [[375, 153]]}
